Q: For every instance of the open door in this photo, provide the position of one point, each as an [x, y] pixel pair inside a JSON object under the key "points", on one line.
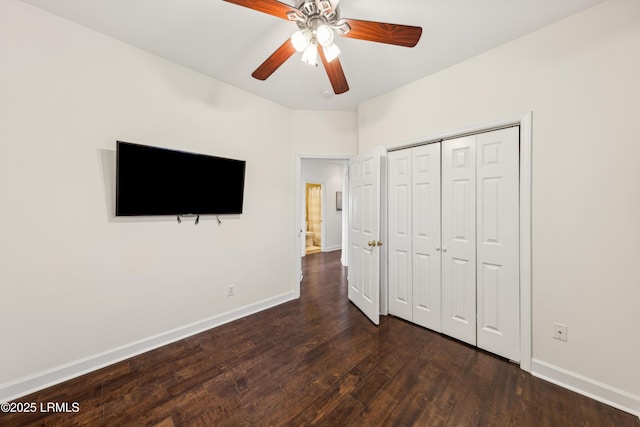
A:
{"points": [[365, 233]]}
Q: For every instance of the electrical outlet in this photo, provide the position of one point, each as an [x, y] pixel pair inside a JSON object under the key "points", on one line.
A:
{"points": [[560, 331], [230, 290]]}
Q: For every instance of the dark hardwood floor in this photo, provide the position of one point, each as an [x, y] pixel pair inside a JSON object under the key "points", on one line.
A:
{"points": [[317, 361]]}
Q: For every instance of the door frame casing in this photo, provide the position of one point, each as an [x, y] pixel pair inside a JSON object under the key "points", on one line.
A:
{"points": [[525, 121]]}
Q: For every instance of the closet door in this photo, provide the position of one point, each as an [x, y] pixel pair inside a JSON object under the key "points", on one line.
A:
{"points": [[399, 202], [498, 290], [426, 236], [459, 238]]}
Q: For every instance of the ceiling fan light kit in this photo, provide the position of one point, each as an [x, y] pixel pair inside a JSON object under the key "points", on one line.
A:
{"points": [[304, 41], [331, 52], [324, 35], [301, 39], [315, 20], [310, 54], [318, 21]]}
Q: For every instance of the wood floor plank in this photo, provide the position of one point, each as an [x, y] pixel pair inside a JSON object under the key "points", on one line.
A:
{"points": [[317, 361], [376, 411]]}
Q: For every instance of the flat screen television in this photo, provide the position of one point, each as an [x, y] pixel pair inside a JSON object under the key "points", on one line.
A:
{"points": [[158, 181]]}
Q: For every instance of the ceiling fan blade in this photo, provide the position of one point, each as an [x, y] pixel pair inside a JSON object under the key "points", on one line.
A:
{"points": [[274, 62], [399, 35], [272, 7], [335, 73]]}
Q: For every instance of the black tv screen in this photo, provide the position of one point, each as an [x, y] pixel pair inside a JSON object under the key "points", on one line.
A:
{"points": [[159, 181]]}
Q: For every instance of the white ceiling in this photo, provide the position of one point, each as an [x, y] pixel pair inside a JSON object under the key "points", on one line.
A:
{"points": [[228, 42]]}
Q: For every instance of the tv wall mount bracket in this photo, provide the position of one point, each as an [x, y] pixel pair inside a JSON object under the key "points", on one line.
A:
{"points": [[179, 218]]}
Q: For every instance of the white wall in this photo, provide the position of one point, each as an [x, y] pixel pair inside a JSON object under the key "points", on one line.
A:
{"points": [[580, 79], [325, 133], [76, 281], [330, 174]]}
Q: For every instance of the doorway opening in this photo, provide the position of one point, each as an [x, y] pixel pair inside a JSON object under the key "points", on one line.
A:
{"points": [[313, 218], [331, 172]]}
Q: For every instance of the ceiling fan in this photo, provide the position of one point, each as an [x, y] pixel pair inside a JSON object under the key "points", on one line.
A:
{"points": [[318, 21]]}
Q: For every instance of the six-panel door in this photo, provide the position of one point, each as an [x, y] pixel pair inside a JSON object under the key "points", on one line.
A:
{"points": [[364, 233], [498, 272], [426, 236], [414, 235], [459, 239]]}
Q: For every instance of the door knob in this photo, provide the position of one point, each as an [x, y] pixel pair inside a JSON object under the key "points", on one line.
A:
{"points": [[379, 243], [444, 249], [371, 243], [438, 248]]}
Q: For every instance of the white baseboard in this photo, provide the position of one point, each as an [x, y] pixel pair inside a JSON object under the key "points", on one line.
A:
{"points": [[332, 248], [32, 383], [596, 390]]}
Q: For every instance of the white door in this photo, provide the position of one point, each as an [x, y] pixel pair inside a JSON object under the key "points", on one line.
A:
{"points": [[414, 235], [453, 212], [364, 233], [400, 233], [459, 238], [426, 236], [498, 277]]}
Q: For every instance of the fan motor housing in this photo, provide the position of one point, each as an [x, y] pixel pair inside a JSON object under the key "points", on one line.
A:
{"points": [[313, 11]]}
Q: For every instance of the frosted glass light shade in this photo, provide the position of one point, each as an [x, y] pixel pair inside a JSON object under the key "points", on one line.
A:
{"points": [[331, 52], [301, 39], [324, 35], [310, 55]]}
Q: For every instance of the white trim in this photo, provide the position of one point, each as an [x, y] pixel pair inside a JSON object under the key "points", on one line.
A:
{"points": [[596, 390], [344, 258], [524, 120], [298, 253], [516, 119], [332, 248], [526, 139], [384, 236], [41, 380]]}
